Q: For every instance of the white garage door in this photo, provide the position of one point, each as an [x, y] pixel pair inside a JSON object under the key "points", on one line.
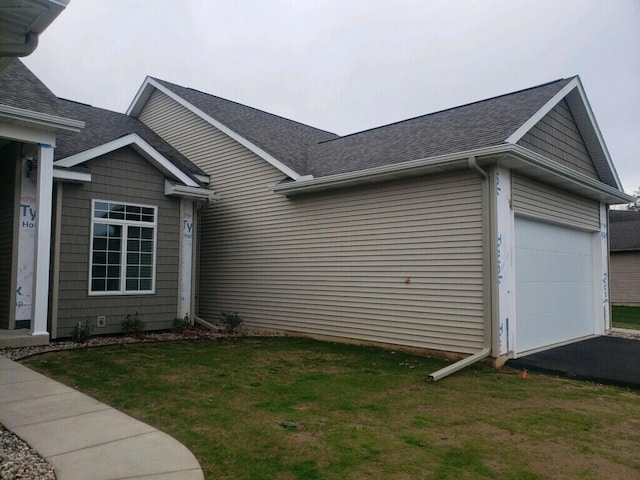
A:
{"points": [[554, 284]]}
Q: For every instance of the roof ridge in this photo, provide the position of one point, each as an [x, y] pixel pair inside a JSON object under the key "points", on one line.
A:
{"points": [[243, 105], [406, 120]]}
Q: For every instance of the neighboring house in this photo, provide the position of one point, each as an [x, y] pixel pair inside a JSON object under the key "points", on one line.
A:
{"points": [[478, 230], [122, 219], [624, 239]]}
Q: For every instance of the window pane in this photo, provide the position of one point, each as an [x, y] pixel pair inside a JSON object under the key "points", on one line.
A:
{"points": [[133, 245], [115, 231], [133, 258], [117, 215], [99, 243], [147, 233], [99, 271], [99, 258], [133, 272], [146, 272], [145, 284], [146, 246], [113, 271], [100, 230], [146, 259], [114, 257], [132, 284], [114, 244], [113, 284], [134, 232], [98, 285]]}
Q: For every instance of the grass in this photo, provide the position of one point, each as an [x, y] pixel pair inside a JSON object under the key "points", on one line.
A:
{"points": [[626, 317], [282, 408]]}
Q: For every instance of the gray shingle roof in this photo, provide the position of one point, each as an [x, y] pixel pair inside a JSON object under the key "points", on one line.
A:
{"points": [[284, 139], [19, 87], [103, 126], [480, 124], [624, 230], [22, 89]]}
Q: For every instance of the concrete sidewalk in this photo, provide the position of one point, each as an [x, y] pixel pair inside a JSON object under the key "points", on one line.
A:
{"points": [[83, 438]]}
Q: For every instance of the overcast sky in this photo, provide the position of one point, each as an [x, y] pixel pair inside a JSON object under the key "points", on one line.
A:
{"points": [[345, 66]]}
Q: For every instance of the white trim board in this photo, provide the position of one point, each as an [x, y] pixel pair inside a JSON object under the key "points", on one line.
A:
{"points": [[145, 92], [138, 144]]}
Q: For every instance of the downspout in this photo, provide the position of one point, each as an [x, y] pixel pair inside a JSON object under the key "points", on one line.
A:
{"points": [[20, 49], [486, 349]]}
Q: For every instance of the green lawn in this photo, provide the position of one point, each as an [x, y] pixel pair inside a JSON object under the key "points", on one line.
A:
{"points": [[282, 408], [626, 317]]}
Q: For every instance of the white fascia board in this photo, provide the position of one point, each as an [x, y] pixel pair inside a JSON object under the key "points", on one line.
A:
{"points": [[195, 193], [15, 114], [27, 133], [145, 91], [516, 136], [206, 179], [140, 145], [597, 133], [384, 172], [71, 175], [611, 195], [446, 162]]}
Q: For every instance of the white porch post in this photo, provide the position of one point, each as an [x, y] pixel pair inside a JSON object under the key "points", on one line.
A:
{"points": [[43, 241]]}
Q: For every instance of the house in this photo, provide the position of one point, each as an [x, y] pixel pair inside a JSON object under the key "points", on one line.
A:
{"points": [[624, 234], [479, 230], [122, 208]]}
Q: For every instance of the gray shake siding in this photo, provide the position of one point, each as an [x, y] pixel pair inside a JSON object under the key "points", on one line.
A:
{"points": [[548, 203], [123, 176], [557, 137], [399, 262], [625, 278], [8, 164]]}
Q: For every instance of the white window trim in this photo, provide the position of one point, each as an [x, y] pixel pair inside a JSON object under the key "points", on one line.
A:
{"points": [[123, 263]]}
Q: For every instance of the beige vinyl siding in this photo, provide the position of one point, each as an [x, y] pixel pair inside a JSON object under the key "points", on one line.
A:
{"points": [[557, 137], [625, 278], [546, 202], [8, 163], [123, 176], [400, 262]]}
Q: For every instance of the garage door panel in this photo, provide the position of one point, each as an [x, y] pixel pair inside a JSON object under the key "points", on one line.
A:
{"points": [[554, 284]]}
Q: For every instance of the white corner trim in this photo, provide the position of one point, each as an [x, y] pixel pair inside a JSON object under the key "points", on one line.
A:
{"points": [[64, 174], [516, 136], [144, 93], [195, 193], [140, 145]]}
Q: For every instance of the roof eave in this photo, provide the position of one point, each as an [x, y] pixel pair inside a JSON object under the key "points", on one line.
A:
{"points": [[513, 156], [38, 119]]}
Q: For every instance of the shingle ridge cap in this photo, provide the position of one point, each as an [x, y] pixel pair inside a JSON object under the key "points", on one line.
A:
{"points": [[406, 120], [166, 83]]}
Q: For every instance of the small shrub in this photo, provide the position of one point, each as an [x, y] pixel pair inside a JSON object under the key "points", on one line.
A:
{"points": [[81, 333], [132, 325], [231, 321], [181, 324]]}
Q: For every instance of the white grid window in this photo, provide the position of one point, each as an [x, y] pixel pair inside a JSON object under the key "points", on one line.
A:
{"points": [[123, 246]]}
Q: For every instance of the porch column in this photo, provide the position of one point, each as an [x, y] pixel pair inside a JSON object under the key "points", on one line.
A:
{"points": [[43, 241], [185, 300]]}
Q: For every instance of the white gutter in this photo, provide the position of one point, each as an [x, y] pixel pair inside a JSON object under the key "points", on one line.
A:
{"points": [[20, 49], [444, 163], [194, 193], [43, 119]]}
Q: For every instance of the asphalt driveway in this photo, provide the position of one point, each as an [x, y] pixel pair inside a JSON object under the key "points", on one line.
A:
{"points": [[607, 360]]}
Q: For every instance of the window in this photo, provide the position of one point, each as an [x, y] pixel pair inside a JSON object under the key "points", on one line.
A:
{"points": [[123, 246]]}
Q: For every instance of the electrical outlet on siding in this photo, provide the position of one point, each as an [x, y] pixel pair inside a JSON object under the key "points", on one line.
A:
{"points": [[101, 321]]}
